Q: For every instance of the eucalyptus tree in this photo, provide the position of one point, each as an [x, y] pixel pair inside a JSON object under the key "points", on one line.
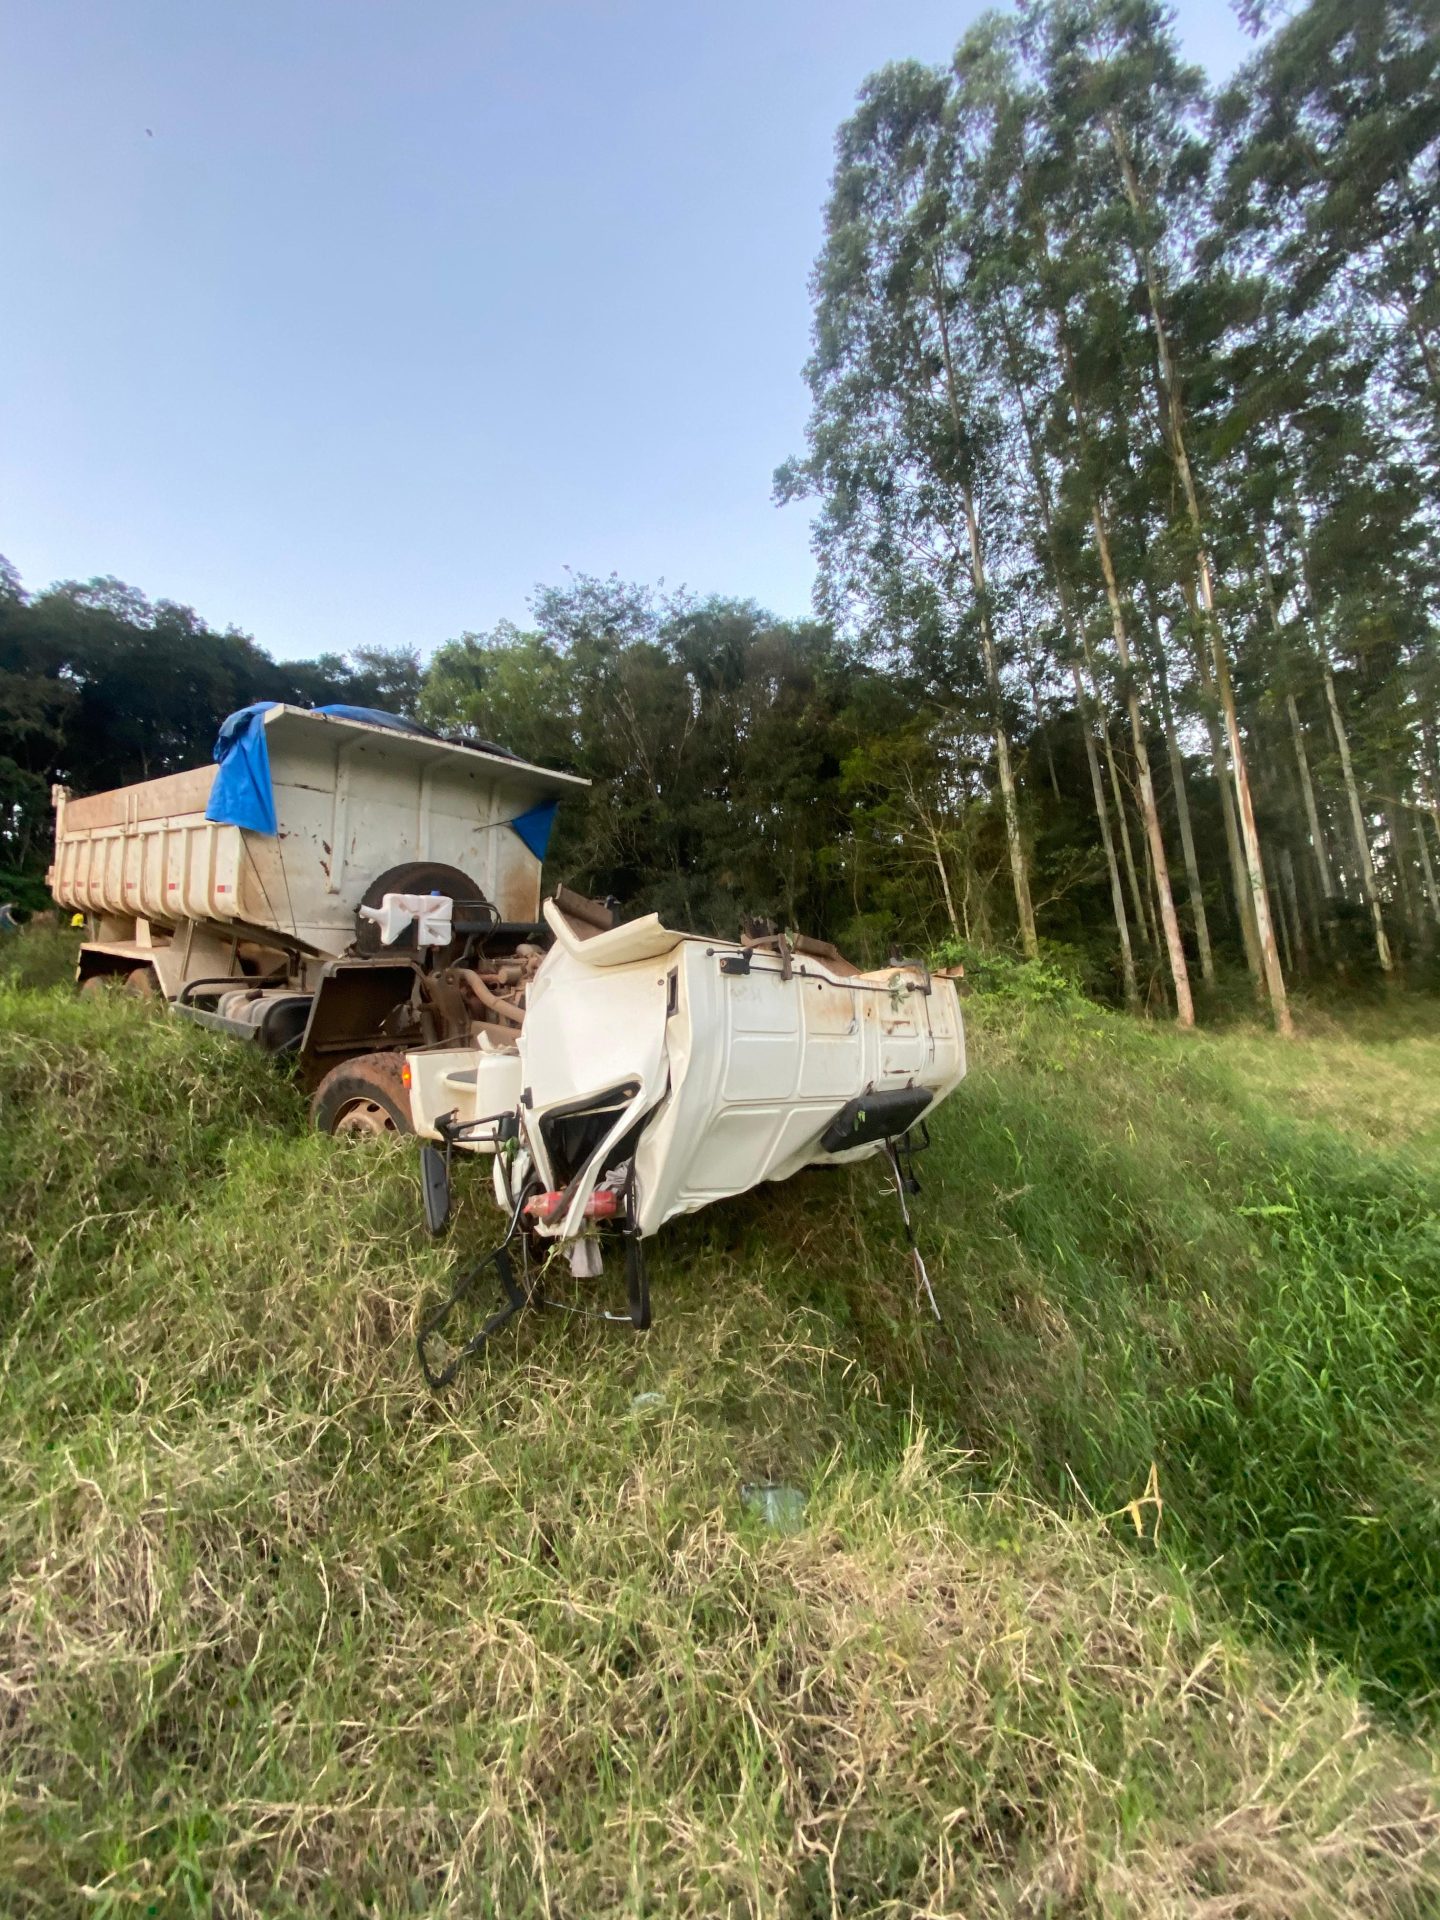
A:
{"points": [[1332, 183], [1335, 163], [1131, 115], [1304, 408], [1350, 575], [904, 435], [1044, 232], [997, 112]]}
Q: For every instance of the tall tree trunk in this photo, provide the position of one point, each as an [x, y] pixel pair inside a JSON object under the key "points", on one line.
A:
{"points": [[1430, 783], [1139, 897], [1430, 792], [1182, 804], [937, 853], [1427, 871], [1291, 896], [1297, 736], [1359, 836], [1310, 917], [1287, 950], [1107, 840], [1316, 907], [1042, 733], [1307, 794], [1139, 900], [1275, 795], [1235, 853], [1249, 835], [1357, 813], [1174, 945], [1146, 856], [1239, 877], [1143, 763], [1395, 825], [1024, 911], [1073, 635]]}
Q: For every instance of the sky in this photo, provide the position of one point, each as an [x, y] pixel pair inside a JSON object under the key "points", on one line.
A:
{"points": [[347, 322]]}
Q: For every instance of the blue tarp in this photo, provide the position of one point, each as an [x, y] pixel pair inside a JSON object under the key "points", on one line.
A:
{"points": [[534, 827], [375, 718], [242, 795]]}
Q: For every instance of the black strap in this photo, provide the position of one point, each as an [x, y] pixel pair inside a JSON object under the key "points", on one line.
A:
{"points": [[433, 1325]]}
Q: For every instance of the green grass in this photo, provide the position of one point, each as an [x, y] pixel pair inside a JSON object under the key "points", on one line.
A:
{"points": [[1195, 1253], [282, 1634], [39, 957]]}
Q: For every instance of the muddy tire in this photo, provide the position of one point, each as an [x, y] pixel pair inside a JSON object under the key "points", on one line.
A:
{"points": [[141, 982], [100, 985], [366, 1096]]}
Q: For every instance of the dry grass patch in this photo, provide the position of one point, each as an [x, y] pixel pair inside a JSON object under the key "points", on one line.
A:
{"points": [[230, 1694]]}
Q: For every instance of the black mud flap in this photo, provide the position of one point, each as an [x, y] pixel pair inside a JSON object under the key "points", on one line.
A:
{"points": [[637, 1284], [435, 1187], [875, 1116]]}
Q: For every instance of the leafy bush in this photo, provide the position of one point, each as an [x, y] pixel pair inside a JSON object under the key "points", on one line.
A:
{"points": [[25, 888], [1050, 981]]}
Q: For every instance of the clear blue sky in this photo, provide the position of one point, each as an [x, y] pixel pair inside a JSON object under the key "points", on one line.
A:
{"points": [[350, 320]]}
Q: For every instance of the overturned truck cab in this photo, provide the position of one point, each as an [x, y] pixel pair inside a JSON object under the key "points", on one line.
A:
{"points": [[656, 1071]]}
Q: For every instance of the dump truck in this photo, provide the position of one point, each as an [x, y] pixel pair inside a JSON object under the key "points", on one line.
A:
{"points": [[250, 893]]}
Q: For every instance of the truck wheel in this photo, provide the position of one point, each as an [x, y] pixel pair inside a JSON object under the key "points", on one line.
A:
{"points": [[141, 982], [365, 1096], [415, 876]]}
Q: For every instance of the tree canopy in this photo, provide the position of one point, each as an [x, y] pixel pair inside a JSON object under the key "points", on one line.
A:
{"points": [[100, 687]]}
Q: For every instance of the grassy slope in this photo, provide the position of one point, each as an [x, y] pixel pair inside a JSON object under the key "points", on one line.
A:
{"points": [[279, 1633]]}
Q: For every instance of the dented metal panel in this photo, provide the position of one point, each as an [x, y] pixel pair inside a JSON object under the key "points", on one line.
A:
{"points": [[734, 1064]]}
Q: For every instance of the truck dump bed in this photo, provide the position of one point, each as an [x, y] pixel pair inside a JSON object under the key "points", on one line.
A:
{"points": [[351, 800]]}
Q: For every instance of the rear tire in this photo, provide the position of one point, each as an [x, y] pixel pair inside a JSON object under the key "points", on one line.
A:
{"points": [[366, 1096], [142, 983]]}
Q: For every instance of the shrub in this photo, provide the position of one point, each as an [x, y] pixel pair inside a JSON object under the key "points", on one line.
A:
{"points": [[1050, 981]]}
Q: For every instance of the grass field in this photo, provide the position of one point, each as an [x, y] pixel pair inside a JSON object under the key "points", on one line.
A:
{"points": [[282, 1634]]}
